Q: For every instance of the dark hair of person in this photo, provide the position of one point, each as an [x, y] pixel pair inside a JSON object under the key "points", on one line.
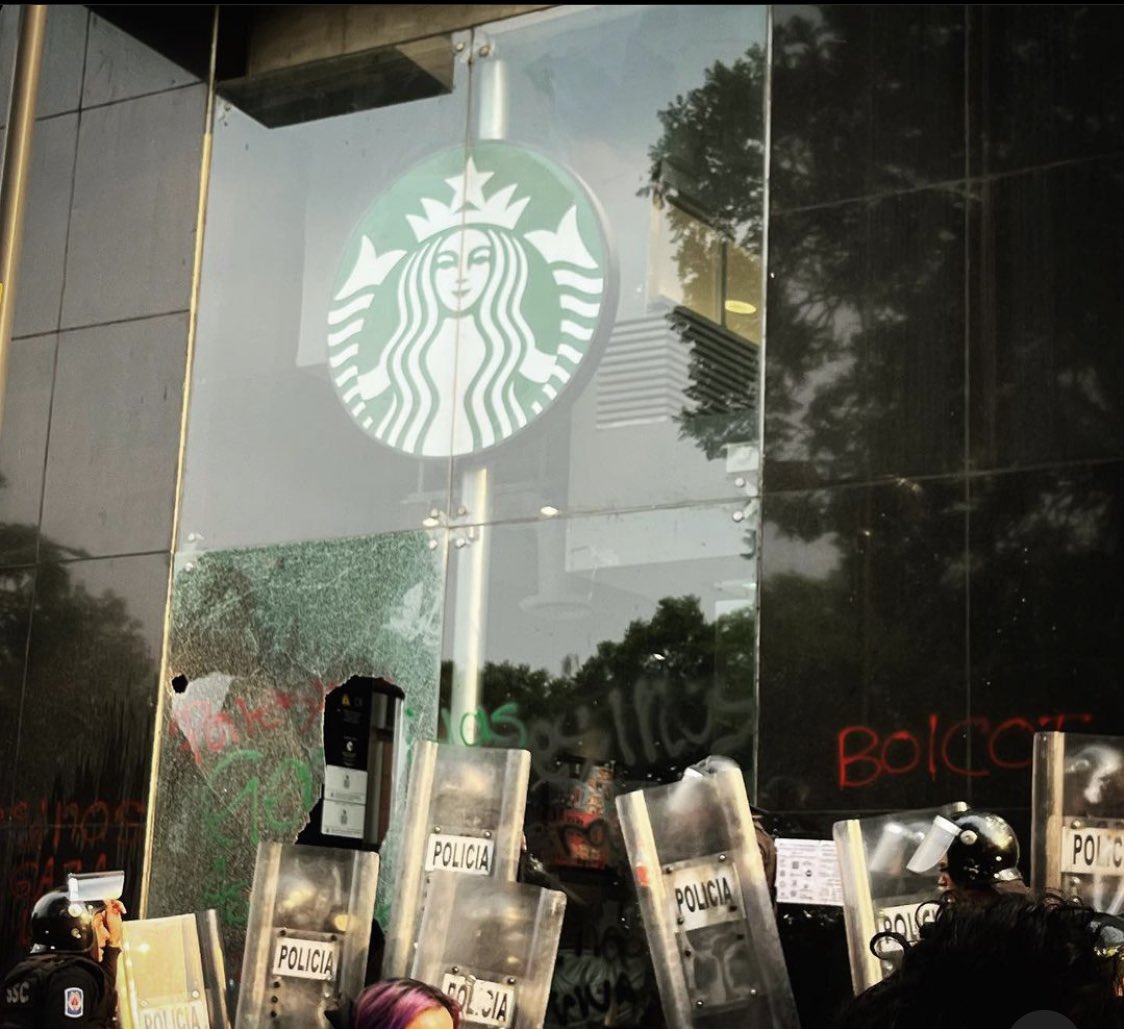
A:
{"points": [[395, 1003], [985, 966]]}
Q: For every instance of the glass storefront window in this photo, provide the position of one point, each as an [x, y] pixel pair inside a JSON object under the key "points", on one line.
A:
{"points": [[622, 372], [660, 115], [276, 451], [519, 324], [619, 650]]}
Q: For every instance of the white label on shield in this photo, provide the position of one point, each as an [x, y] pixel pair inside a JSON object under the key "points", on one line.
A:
{"points": [[471, 854], [905, 919], [347, 785], [305, 959], [191, 1014], [706, 894], [1095, 849], [481, 1000]]}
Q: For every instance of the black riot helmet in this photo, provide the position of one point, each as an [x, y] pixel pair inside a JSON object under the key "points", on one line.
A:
{"points": [[984, 853], [61, 924], [979, 849]]}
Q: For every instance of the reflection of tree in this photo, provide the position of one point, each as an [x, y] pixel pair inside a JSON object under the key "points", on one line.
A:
{"points": [[715, 140], [662, 668], [864, 380], [88, 648], [708, 185], [83, 736], [678, 646], [865, 383], [672, 689], [826, 305]]}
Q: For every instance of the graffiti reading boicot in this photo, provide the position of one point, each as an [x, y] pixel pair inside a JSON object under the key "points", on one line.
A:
{"points": [[864, 755]]}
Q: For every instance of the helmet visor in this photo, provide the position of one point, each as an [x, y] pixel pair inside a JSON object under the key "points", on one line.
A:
{"points": [[95, 886], [933, 847]]}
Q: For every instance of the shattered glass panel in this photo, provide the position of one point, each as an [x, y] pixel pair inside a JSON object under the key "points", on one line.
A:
{"points": [[259, 638]]}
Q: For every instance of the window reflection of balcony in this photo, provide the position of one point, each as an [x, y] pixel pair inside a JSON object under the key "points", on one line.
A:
{"points": [[724, 372], [710, 290], [695, 265]]}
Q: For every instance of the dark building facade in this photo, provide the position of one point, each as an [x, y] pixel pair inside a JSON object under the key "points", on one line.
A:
{"points": [[90, 440], [832, 484]]}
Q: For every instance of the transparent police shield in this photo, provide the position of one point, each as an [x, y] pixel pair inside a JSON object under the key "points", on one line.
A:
{"points": [[705, 902], [311, 910], [491, 945], [881, 894], [171, 974], [1077, 830], [464, 814]]}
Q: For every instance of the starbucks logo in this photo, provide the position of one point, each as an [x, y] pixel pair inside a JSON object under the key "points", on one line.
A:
{"points": [[467, 298]]}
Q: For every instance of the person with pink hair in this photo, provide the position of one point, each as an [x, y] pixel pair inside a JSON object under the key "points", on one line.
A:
{"points": [[405, 1004]]}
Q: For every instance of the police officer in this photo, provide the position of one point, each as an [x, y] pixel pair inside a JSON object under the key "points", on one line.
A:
{"points": [[980, 860], [69, 980]]}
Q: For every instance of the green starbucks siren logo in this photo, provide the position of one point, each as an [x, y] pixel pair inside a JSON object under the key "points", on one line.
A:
{"points": [[466, 300]]}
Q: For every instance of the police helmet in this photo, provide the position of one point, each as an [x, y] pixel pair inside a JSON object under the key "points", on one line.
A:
{"points": [[61, 924], [980, 850], [985, 851]]}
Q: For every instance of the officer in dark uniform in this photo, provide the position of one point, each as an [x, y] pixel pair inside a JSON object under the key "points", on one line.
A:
{"points": [[69, 980]]}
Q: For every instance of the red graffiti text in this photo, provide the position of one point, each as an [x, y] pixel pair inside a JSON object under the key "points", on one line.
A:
{"points": [[864, 755], [206, 729]]}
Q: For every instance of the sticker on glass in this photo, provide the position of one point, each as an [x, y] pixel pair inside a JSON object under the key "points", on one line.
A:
{"points": [[346, 785]]}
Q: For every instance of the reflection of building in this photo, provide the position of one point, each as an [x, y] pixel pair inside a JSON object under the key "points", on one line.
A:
{"points": [[922, 355], [643, 376], [694, 261]]}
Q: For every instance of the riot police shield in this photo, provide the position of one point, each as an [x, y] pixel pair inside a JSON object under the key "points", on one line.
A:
{"points": [[880, 893], [464, 814], [1077, 832], [171, 974], [705, 903], [309, 929], [492, 946]]}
